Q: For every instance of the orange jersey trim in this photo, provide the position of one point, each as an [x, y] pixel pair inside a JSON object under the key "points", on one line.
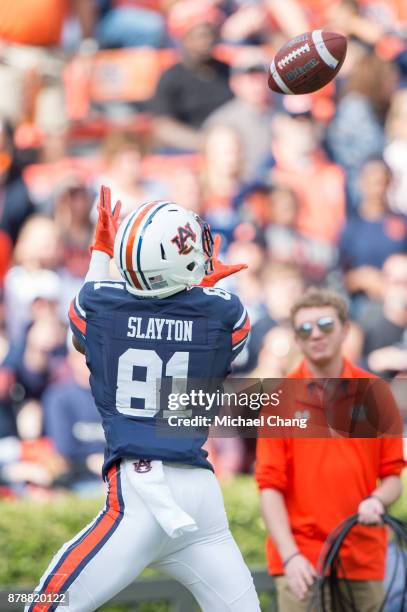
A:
{"points": [[76, 320]]}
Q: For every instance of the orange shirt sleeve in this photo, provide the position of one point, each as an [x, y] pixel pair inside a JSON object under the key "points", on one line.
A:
{"points": [[381, 401], [391, 457], [271, 463]]}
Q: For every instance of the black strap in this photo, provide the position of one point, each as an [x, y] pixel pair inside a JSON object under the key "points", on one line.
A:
{"points": [[329, 563]]}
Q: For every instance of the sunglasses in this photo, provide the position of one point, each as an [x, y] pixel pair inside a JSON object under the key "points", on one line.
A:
{"points": [[324, 324]]}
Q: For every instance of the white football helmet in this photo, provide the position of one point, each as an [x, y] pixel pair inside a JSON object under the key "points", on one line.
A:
{"points": [[162, 248]]}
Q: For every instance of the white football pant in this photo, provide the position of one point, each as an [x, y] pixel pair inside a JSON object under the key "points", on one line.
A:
{"points": [[125, 538]]}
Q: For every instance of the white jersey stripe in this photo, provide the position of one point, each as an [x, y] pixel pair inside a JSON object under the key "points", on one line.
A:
{"points": [[323, 50], [79, 308], [242, 318], [240, 343], [278, 79]]}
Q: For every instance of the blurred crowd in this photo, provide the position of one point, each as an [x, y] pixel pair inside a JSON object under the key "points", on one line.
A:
{"points": [[169, 99]]}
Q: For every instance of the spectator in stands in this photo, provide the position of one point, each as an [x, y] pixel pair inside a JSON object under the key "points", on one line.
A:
{"points": [[34, 465], [72, 208], [265, 21], [286, 244], [356, 133], [132, 23], [354, 19], [30, 31], [351, 17], [388, 15], [123, 154], [186, 189], [282, 285], [221, 177], [248, 284], [190, 90], [249, 248], [278, 355], [73, 424], [384, 323], [15, 202], [250, 112], [35, 358], [391, 360], [395, 153], [8, 426], [16, 205], [301, 165], [308, 485], [37, 255], [252, 21], [352, 347], [371, 236], [248, 23]]}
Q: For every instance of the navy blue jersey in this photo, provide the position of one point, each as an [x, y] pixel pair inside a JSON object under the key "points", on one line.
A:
{"points": [[134, 344]]}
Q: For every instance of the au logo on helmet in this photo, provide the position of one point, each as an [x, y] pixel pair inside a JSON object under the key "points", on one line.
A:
{"points": [[184, 233]]}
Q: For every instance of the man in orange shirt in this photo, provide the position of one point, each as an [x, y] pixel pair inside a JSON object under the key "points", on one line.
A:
{"points": [[308, 486]]}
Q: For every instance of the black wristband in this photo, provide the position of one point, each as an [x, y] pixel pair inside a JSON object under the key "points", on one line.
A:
{"points": [[287, 561]]}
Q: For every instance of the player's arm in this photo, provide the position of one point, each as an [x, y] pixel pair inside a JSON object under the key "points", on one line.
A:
{"points": [[79, 347], [77, 321], [102, 251], [105, 233], [240, 330]]}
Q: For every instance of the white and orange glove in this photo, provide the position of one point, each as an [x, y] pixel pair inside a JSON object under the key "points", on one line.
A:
{"points": [[107, 224], [219, 269]]}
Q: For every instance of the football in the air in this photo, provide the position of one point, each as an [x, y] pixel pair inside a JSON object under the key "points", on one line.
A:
{"points": [[307, 62]]}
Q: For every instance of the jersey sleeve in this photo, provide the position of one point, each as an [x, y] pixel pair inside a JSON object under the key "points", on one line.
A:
{"points": [[392, 460], [240, 324], [77, 316]]}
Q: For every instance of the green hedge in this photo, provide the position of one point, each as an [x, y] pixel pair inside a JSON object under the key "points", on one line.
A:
{"points": [[31, 533]]}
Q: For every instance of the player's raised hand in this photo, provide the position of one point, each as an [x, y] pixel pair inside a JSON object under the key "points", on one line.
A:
{"points": [[219, 269], [107, 224]]}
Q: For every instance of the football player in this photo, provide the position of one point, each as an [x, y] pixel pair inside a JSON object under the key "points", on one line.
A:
{"points": [[157, 327]]}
